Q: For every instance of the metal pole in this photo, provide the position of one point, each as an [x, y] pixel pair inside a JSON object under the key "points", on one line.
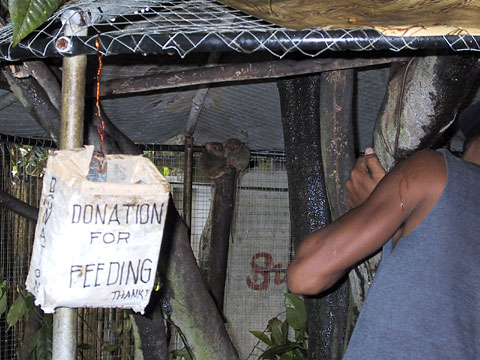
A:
{"points": [[64, 345], [73, 102], [197, 104], [187, 183]]}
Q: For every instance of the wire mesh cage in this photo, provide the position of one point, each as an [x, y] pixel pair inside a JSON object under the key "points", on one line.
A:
{"points": [[182, 27], [20, 178], [259, 251], [260, 243]]}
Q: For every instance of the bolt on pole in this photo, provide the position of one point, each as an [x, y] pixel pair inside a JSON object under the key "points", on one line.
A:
{"points": [[64, 345]]}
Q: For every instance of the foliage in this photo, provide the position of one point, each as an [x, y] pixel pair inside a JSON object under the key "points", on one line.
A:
{"points": [[27, 15], [28, 160], [3, 297], [40, 346], [121, 331], [181, 354], [150, 155], [185, 353], [276, 335], [20, 308]]}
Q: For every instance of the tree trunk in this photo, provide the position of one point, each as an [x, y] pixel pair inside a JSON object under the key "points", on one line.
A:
{"points": [[190, 306], [222, 214], [338, 154], [151, 328], [299, 101], [205, 241], [421, 102]]}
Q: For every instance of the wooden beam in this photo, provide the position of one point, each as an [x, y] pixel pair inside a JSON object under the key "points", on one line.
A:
{"points": [[235, 72]]}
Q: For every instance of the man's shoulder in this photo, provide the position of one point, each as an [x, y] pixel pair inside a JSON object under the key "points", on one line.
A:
{"points": [[413, 186], [425, 164], [427, 170], [429, 157]]}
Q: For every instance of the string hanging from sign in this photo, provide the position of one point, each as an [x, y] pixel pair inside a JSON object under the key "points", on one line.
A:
{"points": [[100, 120]]}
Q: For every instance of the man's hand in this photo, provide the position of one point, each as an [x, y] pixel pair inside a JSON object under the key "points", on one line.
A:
{"points": [[364, 177]]}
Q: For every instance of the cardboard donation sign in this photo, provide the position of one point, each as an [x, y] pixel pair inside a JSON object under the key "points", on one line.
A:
{"points": [[97, 243]]}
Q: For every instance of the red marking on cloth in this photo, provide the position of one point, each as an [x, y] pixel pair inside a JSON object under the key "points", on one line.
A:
{"points": [[254, 282]]}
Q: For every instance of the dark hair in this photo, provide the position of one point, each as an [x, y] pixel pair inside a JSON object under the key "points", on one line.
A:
{"points": [[469, 121]]}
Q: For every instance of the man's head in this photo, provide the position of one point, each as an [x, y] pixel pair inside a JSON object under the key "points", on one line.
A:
{"points": [[469, 122]]}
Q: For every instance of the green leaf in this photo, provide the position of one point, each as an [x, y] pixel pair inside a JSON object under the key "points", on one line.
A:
{"points": [[296, 313], [84, 347], [300, 353], [27, 15], [127, 325], [275, 327], [33, 343], [284, 329], [41, 343], [278, 350], [182, 354], [117, 329], [110, 348], [29, 302], [262, 336], [44, 344], [300, 335], [3, 297], [18, 309], [287, 356]]}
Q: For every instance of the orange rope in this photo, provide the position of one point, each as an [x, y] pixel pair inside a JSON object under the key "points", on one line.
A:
{"points": [[101, 122]]}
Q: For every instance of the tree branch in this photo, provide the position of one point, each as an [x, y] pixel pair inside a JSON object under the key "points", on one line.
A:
{"points": [[40, 93], [18, 206], [227, 73], [36, 102], [46, 79], [199, 99], [115, 141]]}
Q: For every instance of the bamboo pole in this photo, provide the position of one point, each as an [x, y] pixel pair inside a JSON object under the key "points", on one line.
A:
{"points": [[197, 105], [64, 345], [187, 183]]}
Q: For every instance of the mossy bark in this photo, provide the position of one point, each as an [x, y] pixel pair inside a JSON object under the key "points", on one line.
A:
{"points": [[151, 331], [186, 300], [422, 100], [222, 215], [338, 154], [309, 211]]}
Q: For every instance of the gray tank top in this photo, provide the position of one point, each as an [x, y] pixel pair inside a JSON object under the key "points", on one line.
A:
{"points": [[425, 300]]}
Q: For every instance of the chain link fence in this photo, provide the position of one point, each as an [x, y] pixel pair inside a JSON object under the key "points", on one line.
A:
{"points": [[182, 27]]}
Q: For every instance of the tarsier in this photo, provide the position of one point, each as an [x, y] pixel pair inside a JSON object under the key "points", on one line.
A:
{"points": [[237, 154], [217, 157], [212, 161]]}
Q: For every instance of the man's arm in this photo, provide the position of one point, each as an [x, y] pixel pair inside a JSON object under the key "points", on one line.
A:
{"points": [[402, 199]]}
